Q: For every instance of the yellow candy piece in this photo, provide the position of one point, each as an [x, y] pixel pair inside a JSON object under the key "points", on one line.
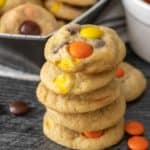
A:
{"points": [[67, 63], [63, 83], [2, 3], [55, 7], [91, 32]]}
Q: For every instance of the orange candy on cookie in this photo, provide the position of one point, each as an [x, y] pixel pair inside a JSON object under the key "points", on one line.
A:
{"points": [[80, 49], [94, 134], [120, 73], [134, 128], [138, 143]]}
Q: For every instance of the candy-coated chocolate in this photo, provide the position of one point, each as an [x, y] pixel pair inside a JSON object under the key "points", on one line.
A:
{"points": [[30, 28], [93, 134], [134, 128], [120, 72], [18, 107], [138, 143], [91, 32], [80, 49], [2, 3], [62, 82], [67, 63], [55, 7]]}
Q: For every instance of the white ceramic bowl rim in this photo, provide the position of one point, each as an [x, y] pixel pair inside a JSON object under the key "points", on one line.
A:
{"points": [[139, 9], [142, 4]]}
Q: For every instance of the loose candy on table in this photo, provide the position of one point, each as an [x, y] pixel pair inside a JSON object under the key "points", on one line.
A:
{"points": [[134, 128], [18, 107], [91, 32], [80, 49], [138, 143]]}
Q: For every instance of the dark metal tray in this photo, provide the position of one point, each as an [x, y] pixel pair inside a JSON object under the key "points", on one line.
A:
{"points": [[35, 44]]}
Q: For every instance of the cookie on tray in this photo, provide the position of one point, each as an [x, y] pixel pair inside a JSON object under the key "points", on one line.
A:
{"points": [[82, 3], [95, 140], [86, 48], [91, 121], [6, 5], [132, 80], [61, 10], [78, 103], [73, 83], [28, 19]]}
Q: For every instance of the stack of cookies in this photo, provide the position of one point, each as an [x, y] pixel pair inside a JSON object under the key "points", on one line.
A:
{"points": [[85, 108]]}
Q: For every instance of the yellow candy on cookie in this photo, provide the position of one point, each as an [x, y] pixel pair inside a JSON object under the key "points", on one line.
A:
{"points": [[2, 3], [67, 63], [91, 32], [55, 7], [63, 83]]}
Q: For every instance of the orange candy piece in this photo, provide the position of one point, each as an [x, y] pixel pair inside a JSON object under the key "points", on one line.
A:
{"points": [[147, 1], [138, 143], [134, 128], [94, 134], [120, 72], [80, 49]]}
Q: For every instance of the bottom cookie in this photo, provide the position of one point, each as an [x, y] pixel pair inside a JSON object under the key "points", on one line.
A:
{"points": [[75, 140]]}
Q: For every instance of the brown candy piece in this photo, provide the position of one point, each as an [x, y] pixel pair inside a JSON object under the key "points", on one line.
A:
{"points": [[73, 29], [18, 107], [99, 43], [30, 28]]}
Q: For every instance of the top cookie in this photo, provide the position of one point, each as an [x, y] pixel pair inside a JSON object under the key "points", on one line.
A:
{"points": [[6, 5], [87, 48]]}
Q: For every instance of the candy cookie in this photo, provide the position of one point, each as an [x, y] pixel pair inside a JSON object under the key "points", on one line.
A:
{"points": [[6, 5], [83, 3], [78, 104], [132, 80], [90, 140], [95, 120], [28, 19], [61, 10], [86, 48], [67, 83]]}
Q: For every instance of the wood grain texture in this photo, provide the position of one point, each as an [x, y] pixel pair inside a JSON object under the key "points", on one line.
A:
{"points": [[25, 132]]}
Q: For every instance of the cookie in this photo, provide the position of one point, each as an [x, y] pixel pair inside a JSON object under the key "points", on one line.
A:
{"points": [[61, 10], [75, 140], [78, 83], [133, 82], [6, 5], [28, 19], [87, 48], [78, 104], [81, 3], [91, 121]]}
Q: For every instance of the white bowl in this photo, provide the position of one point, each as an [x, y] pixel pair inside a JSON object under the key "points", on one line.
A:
{"points": [[138, 22]]}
